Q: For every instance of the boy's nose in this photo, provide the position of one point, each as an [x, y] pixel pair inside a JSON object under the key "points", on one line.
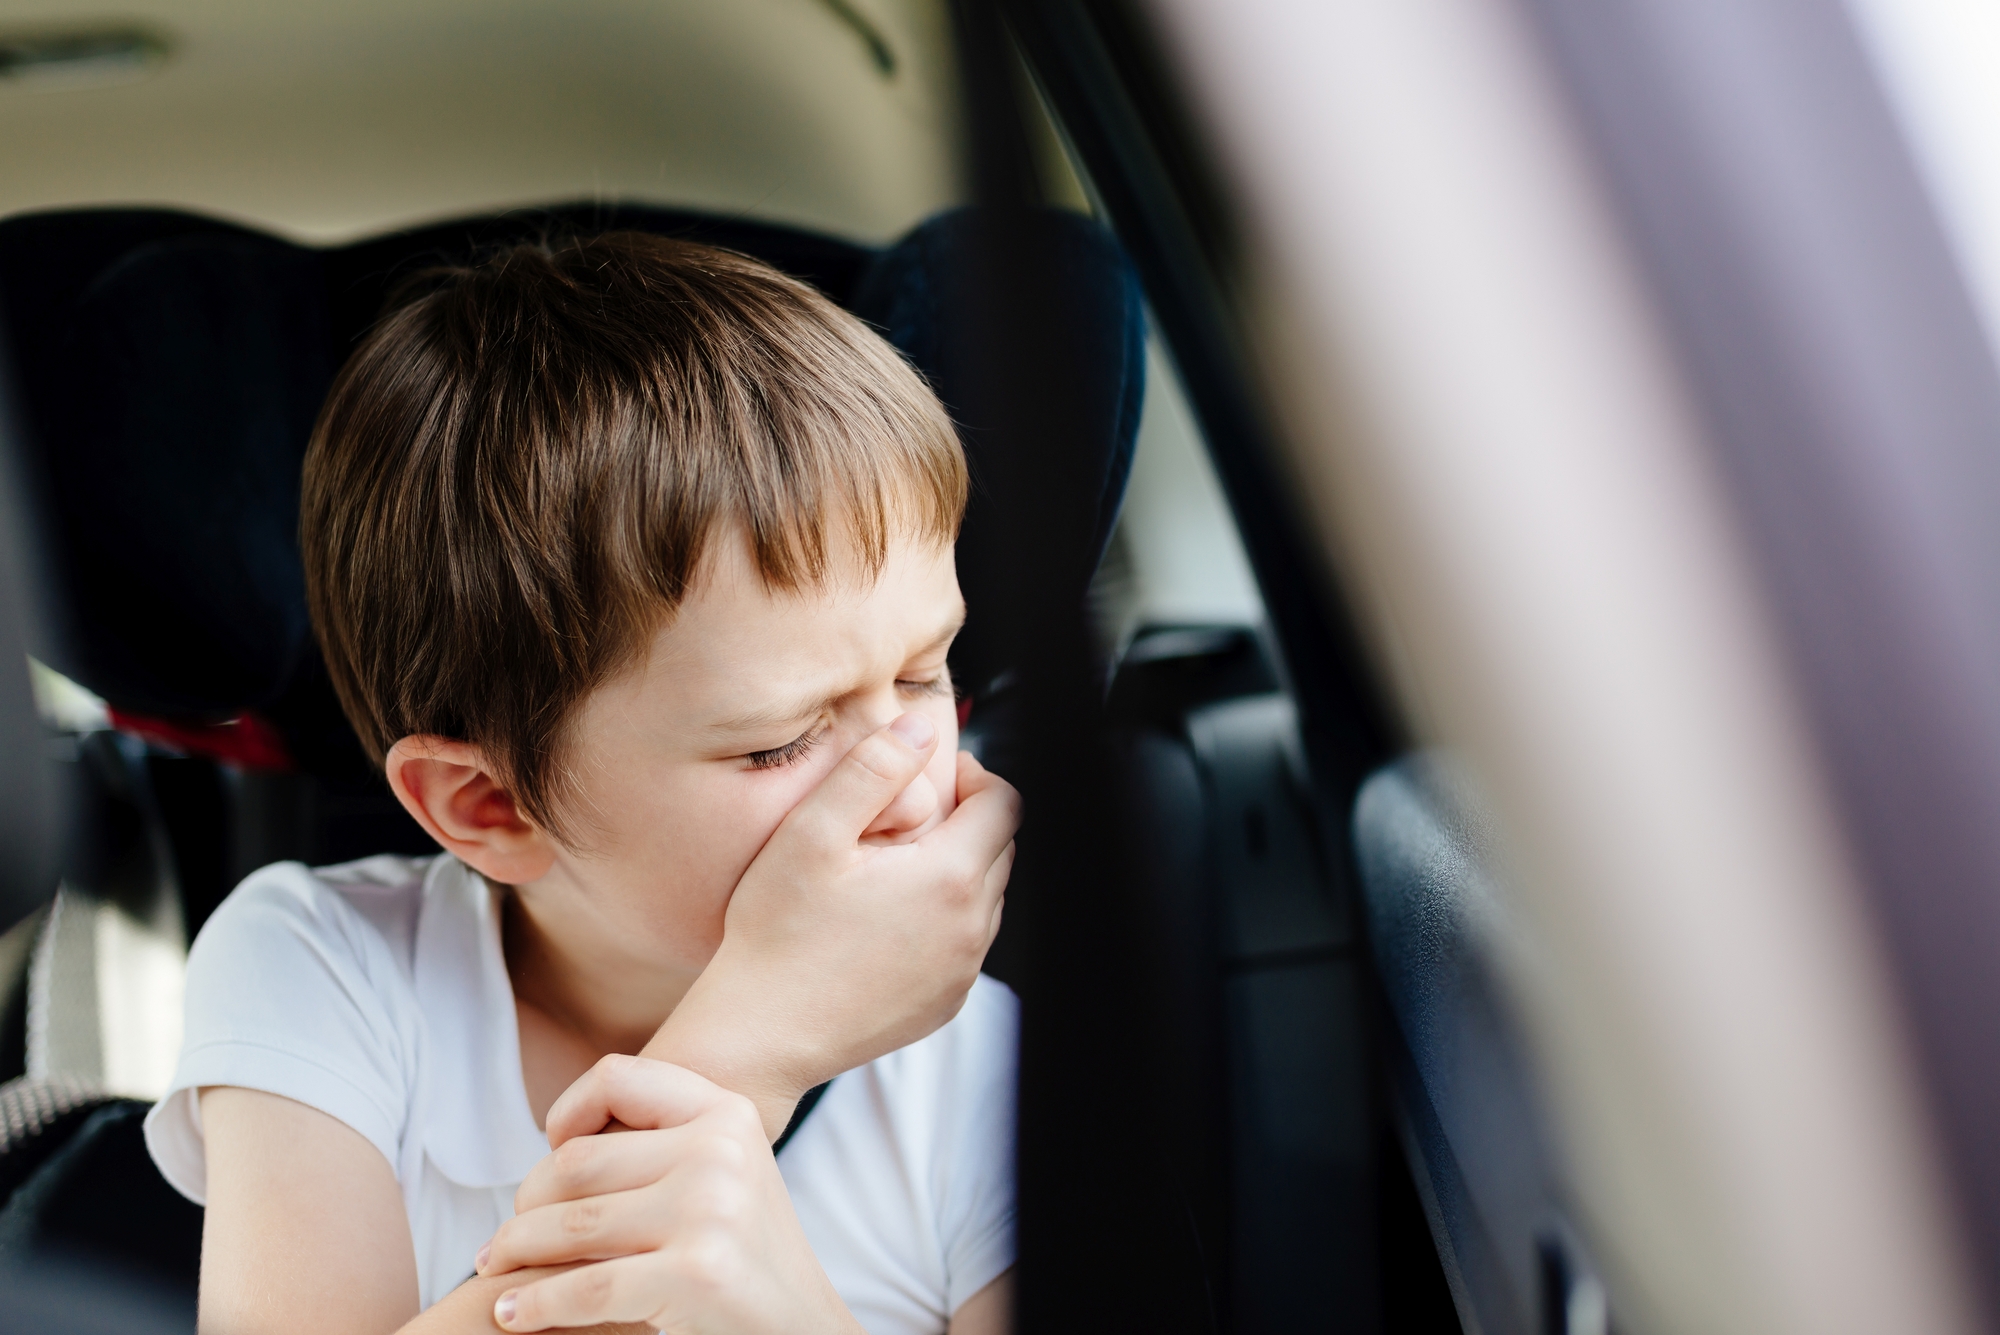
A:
{"points": [[902, 818]]}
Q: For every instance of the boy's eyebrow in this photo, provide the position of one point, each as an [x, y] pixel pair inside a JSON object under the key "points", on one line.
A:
{"points": [[946, 633], [772, 715]]}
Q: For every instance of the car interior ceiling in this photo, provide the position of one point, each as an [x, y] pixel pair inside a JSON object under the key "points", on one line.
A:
{"points": [[1198, 988], [326, 122]]}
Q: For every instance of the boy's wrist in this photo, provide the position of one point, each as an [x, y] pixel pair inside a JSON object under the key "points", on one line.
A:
{"points": [[717, 1039]]}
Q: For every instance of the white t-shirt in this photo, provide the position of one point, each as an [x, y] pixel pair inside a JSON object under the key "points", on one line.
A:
{"points": [[376, 992]]}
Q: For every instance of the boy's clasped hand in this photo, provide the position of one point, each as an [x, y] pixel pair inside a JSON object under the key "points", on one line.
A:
{"points": [[687, 1206]]}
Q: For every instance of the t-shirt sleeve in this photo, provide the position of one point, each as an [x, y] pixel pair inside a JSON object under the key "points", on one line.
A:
{"points": [[976, 1205], [292, 992]]}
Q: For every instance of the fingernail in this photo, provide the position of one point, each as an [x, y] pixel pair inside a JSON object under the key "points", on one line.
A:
{"points": [[479, 1261], [914, 729], [503, 1311]]}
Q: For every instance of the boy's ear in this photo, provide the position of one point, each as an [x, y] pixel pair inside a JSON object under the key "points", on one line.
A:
{"points": [[449, 788]]}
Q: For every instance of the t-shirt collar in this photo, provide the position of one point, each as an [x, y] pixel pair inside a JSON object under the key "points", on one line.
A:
{"points": [[477, 1126]]}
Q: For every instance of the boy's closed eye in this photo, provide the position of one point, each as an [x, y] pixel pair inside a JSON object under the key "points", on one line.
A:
{"points": [[939, 684], [792, 752]]}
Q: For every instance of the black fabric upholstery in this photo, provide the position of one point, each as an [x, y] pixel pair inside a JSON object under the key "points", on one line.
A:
{"points": [[361, 276], [917, 293], [188, 370], [172, 367], [33, 804], [98, 1200], [36, 1117]]}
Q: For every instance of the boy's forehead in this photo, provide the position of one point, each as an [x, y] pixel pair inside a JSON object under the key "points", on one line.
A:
{"points": [[728, 588], [736, 641]]}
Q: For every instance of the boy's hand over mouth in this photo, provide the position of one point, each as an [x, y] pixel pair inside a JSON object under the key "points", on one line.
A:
{"points": [[686, 1215], [837, 950]]}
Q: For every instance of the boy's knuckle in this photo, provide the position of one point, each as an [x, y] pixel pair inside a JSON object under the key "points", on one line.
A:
{"points": [[719, 1203], [875, 760], [718, 1151], [591, 1288], [580, 1219], [1003, 795], [741, 1117], [701, 1154], [572, 1161], [963, 874], [706, 1261], [502, 1243]]}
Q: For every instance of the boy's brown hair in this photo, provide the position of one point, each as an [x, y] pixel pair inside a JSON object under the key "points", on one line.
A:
{"points": [[515, 476]]}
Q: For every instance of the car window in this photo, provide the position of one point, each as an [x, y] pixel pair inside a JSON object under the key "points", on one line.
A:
{"points": [[1176, 541], [1938, 60]]}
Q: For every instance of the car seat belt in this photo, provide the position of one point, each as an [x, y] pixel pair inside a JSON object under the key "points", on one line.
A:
{"points": [[807, 1102]]}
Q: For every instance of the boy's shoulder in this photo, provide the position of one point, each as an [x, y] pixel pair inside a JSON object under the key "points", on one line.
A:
{"points": [[969, 1060], [987, 1029], [992, 1013], [354, 905], [953, 1089]]}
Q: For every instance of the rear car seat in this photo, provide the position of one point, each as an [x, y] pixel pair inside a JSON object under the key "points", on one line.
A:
{"points": [[172, 367]]}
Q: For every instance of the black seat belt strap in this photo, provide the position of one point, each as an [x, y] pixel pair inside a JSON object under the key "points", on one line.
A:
{"points": [[807, 1102]]}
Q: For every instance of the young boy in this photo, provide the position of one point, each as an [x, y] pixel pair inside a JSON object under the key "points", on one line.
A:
{"points": [[632, 564]]}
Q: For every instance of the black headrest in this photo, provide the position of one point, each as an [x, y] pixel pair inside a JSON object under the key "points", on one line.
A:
{"points": [[31, 814], [919, 293], [186, 371], [174, 366]]}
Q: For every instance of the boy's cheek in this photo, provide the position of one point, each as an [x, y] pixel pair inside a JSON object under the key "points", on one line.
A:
{"points": [[797, 784], [742, 816]]}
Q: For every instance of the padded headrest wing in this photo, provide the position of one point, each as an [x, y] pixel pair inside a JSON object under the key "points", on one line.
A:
{"points": [[917, 293], [32, 805], [191, 372]]}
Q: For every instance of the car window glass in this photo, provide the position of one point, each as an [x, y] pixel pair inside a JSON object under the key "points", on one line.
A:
{"points": [[1176, 557], [1940, 65]]}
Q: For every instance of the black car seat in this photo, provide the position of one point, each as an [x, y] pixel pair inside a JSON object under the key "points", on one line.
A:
{"points": [[172, 367], [41, 1120]]}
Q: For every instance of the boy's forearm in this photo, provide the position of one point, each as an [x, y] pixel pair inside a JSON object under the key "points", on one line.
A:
{"points": [[468, 1309]]}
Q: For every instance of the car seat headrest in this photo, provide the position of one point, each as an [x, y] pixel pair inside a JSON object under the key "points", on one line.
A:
{"points": [[33, 805], [919, 293], [177, 366], [191, 371]]}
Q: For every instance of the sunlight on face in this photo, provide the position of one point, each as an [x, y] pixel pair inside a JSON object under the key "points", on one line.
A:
{"points": [[686, 763]]}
